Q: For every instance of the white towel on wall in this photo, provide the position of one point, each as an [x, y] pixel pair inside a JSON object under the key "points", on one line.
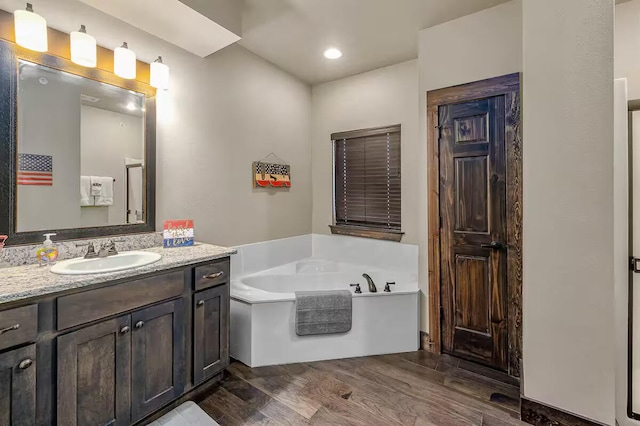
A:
{"points": [[96, 186], [106, 195], [86, 199]]}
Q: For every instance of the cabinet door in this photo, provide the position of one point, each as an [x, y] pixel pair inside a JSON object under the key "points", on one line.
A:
{"points": [[158, 357], [18, 387], [210, 332], [94, 375]]}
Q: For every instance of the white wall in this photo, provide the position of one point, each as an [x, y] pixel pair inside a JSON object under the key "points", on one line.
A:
{"points": [[475, 47], [221, 114], [107, 138], [378, 98], [568, 205]]}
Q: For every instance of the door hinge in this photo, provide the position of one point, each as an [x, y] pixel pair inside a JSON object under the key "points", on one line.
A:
{"points": [[634, 264]]}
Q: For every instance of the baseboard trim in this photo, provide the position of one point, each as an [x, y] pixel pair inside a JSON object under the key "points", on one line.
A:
{"points": [[536, 413]]}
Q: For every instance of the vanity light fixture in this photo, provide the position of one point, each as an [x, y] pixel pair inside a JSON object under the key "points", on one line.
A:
{"points": [[31, 29], [332, 53], [124, 62], [83, 48], [159, 74]]}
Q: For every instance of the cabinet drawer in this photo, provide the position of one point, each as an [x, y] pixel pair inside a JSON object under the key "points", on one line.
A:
{"points": [[18, 326], [212, 275], [81, 308]]}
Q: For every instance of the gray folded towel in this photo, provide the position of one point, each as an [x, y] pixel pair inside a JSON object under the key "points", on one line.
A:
{"points": [[323, 312]]}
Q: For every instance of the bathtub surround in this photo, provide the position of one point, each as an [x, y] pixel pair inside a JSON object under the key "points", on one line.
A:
{"points": [[263, 299], [25, 255], [252, 258]]}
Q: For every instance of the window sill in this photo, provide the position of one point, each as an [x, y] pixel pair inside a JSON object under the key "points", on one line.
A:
{"points": [[363, 232]]}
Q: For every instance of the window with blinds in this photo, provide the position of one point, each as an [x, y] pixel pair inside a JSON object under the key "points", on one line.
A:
{"points": [[367, 178]]}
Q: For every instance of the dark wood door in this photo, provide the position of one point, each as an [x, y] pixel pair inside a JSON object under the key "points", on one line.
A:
{"points": [[473, 230], [18, 387], [94, 375], [158, 354], [210, 332]]}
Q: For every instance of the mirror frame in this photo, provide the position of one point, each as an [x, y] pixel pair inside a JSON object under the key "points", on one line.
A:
{"points": [[10, 54]]}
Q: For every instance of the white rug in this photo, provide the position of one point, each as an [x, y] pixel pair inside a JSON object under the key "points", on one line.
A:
{"points": [[187, 414]]}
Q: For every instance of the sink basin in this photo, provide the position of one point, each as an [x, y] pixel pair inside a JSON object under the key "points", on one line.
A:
{"points": [[119, 262]]}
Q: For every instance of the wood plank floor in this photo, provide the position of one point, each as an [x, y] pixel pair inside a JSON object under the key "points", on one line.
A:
{"points": [[416, 388]]}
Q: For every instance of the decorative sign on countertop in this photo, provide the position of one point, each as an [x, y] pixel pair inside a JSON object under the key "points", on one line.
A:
{"points": [[178, 233]]}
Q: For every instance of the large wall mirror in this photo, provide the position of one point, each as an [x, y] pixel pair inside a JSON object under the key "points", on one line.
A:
{"points": [[79, 151]]}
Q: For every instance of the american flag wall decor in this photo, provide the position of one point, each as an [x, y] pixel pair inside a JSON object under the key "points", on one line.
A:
{"points": [[35, 170]]}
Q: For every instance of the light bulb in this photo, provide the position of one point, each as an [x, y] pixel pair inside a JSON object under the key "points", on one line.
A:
{"points": [[83, 48], [159, 74], [124, 62], [31, 29]]}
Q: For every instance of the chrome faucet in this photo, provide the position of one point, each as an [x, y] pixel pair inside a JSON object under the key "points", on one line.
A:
{"points": [[91, 252], [108, 249], [372, 285]]}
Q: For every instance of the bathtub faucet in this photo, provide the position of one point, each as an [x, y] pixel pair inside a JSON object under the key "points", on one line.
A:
{"points": [[372, 285]]}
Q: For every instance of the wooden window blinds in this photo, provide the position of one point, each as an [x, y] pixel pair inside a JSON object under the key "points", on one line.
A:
{"points": [[367, 178]]}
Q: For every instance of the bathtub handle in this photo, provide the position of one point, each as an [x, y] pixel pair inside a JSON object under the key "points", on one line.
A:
{"points": [[357, 286], [213, 276]]}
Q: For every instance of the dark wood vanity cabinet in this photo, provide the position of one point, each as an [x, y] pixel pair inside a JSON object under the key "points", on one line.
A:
{"points": [[122, 363], [18, 387], [210, 332], [158, 357], [94, 374]]}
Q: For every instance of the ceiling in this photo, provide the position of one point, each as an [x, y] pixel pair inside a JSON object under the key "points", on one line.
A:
{"points": [[293, 34], [173, 21]]}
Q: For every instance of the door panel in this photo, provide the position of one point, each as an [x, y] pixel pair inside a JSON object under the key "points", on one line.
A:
{"points": [[473, 230], [472, 293], [472, 213], [18, 387], [158, 357], [94, 380], [211, 333]]}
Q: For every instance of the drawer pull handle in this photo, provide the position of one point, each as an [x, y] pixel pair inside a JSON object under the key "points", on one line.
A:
{"points": [[213, 276], [200, 303], [139, 324], [8, 329], [25, 364], [124, 330]]}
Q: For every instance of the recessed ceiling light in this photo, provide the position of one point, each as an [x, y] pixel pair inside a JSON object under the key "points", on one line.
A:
{"points": [[332, 53], [131, 106]]}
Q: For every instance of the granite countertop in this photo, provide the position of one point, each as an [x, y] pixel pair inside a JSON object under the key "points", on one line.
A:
{"points": [[22, 282]]}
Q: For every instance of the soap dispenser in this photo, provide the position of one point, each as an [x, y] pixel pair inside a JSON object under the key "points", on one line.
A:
{"points": [[47, 253]]}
